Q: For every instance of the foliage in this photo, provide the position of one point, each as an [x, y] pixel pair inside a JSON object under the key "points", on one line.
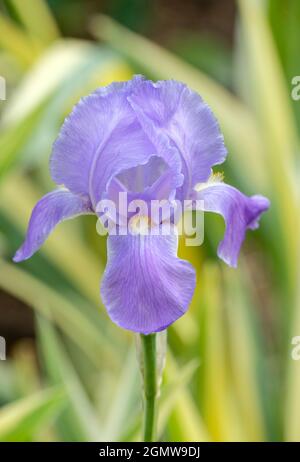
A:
{"points": [[229, 373]]}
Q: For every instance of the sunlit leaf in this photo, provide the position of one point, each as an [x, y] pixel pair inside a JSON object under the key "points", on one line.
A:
{"points": [[54, 306], [16, 42], [274, 113], [19, 420], [61, 371], [37, 19], [13, 139]]}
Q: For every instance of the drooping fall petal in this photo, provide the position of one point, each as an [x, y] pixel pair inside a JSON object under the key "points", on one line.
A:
{"points": [[53, 208], [146, 287], [239, 212]]}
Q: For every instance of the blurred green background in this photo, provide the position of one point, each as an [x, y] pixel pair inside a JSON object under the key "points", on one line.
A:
{"points": [[70, 373]]}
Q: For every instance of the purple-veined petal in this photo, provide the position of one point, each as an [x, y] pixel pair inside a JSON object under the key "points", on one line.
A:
{"points": [[239, 212], [146, 287], [154, 180], [101, 138], [170, 109], [53, 208], [154, 199], [137, 179]]}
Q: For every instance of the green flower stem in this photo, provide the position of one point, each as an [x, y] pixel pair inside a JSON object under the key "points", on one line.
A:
{"points": [[150, 385]]}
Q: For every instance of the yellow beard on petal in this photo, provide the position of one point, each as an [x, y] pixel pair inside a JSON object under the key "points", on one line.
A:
{"points": [[140, 224], [217, 177]]}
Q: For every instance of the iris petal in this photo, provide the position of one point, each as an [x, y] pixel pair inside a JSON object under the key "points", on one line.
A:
{"points": [[146, 287], [170, 109], [53, 208], [239, 212], [100, 138], [103, 137]]}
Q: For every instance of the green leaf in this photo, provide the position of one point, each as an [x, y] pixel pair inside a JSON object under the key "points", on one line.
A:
{"points": [[35, 15], [21, 419], [185, 422], [175, 390], [272, 106], [123, 394], [285, 20], [246, 355], [16, 42], [219, 406], [175, 404], [61, 371], [14, 138], [58, 309]]}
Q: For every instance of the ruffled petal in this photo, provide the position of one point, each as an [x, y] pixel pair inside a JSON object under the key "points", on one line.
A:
{"points": [[101, 138], [145, 287], [239, 212], [170, 109], [137, 179], [53, 208]]}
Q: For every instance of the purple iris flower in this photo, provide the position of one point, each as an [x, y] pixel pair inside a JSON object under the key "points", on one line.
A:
{"points": [[154, 141]]}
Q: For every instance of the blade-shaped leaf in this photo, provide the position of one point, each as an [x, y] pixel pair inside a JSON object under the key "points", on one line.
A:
{"points": [[51, 304], [13, 139], [61, 371], [20, 420], [16, 42], [35, 15]]}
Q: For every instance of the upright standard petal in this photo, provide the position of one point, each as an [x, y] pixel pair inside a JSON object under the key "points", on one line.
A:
{"points": [[53, 208], [170, 109], [146, 287], [101, 137], [239, 212]]}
